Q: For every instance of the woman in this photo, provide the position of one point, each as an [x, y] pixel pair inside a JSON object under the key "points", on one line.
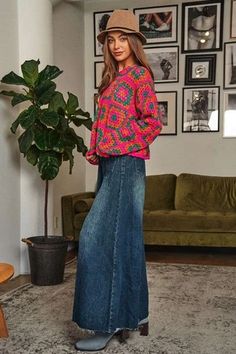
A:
{"points": [[202, 27], [111, 289], [200, 119]]}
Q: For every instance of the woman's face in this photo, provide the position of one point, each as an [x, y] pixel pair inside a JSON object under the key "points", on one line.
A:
{"points": [[119, 48]]}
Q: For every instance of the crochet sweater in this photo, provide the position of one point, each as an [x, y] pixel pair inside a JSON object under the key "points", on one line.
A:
{"points": [[127, 117]]}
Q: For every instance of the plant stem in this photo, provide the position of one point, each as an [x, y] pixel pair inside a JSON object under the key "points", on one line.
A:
{"points": [[46, 210]]}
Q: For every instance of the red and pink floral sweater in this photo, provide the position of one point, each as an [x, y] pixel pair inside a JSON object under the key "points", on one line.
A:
{"points": [[128, 118]]}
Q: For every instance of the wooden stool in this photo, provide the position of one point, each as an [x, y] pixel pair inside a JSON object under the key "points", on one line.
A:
{"points": [[6, 272]]}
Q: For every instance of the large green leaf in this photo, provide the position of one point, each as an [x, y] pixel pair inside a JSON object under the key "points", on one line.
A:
{"points": [[56, 102], [33, 155], [25, 141], [69, 140], [30, 71], [81, 147], [8, 93], [15, 124], [50, 119], [68, 156], [49, 73], [87, 122], [82, 113], [19, 98], [41, 139], [63, 123], [77, 121], [72, 103], [45, 91], [55, 142], [65, 156], [13, 79], [48, 166], [48, 139], [28, 117]]}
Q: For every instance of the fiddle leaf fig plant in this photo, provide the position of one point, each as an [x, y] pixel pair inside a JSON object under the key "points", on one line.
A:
{"points": [[47, 135]]}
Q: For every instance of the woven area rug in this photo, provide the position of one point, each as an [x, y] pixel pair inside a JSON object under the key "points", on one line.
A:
{"points": [[192, 311]]}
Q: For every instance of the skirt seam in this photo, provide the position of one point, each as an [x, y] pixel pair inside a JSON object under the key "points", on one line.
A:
{"points": [[114, 248]]}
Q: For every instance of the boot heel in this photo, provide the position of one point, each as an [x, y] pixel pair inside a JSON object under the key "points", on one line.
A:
{"points": [[143, 329], [123, 335]]}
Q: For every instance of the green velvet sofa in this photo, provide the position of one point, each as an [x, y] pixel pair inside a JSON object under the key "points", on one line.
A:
{"points": [[184, 210]]}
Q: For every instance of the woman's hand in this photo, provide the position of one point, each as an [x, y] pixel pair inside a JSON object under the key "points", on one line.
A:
{"points": [[93, 159]]}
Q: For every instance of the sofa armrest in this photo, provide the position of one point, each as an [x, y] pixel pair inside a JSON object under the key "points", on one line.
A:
{"points": [[68, 203]]}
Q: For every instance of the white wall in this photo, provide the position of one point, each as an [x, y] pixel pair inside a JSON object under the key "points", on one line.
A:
{"points": [[26, 33], [68, 30], [203, 153], [35, 42], [9, 157]]}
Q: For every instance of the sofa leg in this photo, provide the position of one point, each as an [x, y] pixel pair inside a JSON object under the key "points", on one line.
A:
{"points": [[3, 324]]}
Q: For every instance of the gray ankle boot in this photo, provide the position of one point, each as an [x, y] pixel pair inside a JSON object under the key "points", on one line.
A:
{"points": [[99, 341]]}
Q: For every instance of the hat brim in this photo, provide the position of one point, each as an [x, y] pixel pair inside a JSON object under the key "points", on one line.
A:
{"points": [[102, 35]]}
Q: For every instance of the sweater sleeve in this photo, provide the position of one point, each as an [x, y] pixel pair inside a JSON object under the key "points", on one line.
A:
{"points": [[148, 123], [92, 149]]}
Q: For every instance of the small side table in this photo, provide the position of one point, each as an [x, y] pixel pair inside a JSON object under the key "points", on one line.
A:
{"points": [[6, 272]]}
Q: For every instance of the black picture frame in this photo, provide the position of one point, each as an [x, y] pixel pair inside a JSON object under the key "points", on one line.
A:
{"points": [[201, 107], [100, 19], [158, 24], [196, 38], [200, 69], [167, 103], [98, 67], [230, 65], [164, 62]]}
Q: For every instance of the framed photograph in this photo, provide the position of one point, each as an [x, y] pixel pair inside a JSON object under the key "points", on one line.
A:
{"points": [[229, 119], [200, 69], [98, 67], [201, 109], [202, 23], [233, 19], [164, 62], [230, 65], [167, 103], [158, 24], [99, 24]]}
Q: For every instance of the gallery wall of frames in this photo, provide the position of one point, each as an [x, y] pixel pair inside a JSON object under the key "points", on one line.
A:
{"points": [[201, 40]]}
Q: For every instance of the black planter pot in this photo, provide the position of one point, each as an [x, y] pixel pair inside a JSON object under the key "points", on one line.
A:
{"points": [[47, 257]]}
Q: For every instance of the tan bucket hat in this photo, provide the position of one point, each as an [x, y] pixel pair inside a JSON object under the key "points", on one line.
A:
{"points": [[122, 20]]}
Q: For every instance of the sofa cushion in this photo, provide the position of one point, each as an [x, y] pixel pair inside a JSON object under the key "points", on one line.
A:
{"points": [[197, 192], [79, 220], [160, 192], [83, 205], [195, 221]]}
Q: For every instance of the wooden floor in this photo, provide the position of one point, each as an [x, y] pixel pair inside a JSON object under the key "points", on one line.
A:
{"points": [[184, 255]]}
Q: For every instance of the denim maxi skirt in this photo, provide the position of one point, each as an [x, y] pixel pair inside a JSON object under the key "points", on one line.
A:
{"points": [[111, 289]]}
